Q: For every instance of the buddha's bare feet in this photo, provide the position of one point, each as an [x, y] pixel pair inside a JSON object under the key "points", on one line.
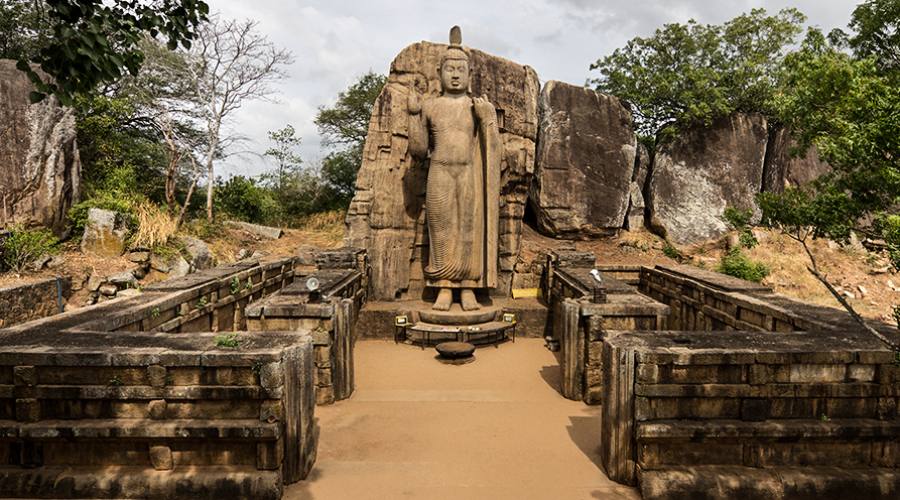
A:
{"points": [[444, 300], [467, 300]]}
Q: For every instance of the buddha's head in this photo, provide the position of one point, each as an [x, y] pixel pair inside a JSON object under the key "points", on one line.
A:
{"points": [[454, 70]]}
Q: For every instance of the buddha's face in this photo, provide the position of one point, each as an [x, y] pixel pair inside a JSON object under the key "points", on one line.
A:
{"points": [[455, 76]]}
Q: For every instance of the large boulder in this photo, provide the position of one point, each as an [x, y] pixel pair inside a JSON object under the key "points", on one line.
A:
{"points": [[386, 215], [585, 162], [40, 170], [104, 233], [703, 171], [636, 201], [785, 169]]}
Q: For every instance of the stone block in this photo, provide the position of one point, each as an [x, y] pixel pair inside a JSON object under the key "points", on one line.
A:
{"points": [[324, 395], [817, 373], [157, 375], [157, 409], [269, 455], [271, 411], [28, 410], [861, 373], [647, 373], [161, 458], [271, 375], [24, 375], [754, 410]]}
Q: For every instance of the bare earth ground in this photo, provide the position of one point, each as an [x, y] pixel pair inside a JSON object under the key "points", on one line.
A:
{"points": [[493, 429]]}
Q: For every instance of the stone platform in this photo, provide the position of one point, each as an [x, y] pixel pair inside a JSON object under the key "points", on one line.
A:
{"points": [[376, 319]]}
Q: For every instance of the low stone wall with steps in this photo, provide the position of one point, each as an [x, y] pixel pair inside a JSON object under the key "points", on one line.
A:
{"points": [[161, 394], [158, 415], [330, 316], [726, 414]]}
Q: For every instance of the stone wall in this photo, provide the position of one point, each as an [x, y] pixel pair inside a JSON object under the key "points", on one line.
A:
{"points": [[22, 303], [106, 415], [162, 393], [330, 317], [582, 322], [744, 415], [40, 170], [386, 216]]}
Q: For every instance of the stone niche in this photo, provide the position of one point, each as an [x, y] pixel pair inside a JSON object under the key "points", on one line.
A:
{"points": [[40, 169], [702, 172], [585, 162], [386, 216]]}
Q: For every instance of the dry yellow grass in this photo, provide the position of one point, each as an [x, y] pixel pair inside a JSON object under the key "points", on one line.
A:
{"points": [[155, 226]]}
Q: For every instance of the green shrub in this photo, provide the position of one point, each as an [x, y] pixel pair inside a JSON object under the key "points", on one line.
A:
{"points": [[735, 263], [671, 252], [23, 246], [244, 199], [124, 205], [739, 220]]}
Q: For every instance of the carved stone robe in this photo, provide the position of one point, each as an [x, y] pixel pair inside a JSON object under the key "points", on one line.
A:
{"points": [[462, 192]]}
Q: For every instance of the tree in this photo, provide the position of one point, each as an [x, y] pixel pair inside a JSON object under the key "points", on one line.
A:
{"points": [[86, 43], [877, 27], [344, 127], [230, 63], [849, 108], [690, 74], [284, 152], [23, 28]]}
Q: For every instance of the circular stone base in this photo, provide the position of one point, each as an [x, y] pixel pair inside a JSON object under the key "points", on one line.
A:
{"points": [[455, 350], [459, 361], [457, 317]]}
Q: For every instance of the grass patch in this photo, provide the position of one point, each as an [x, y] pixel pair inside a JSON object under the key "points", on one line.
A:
{"points": [[735, 263], [228, 341], [155, 226], [23, 246]]}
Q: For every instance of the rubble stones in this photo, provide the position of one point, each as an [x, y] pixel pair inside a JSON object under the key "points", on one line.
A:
{"points": [[201, 258]]}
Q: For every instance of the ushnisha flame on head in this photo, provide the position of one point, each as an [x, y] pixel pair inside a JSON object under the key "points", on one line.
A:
{"points": [[455, 51]]}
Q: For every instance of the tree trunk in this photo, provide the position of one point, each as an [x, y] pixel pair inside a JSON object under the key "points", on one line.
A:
{"points": [[190, 193]]}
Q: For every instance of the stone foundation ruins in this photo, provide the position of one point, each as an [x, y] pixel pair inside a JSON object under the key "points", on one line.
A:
{"points": [[167, 395]]}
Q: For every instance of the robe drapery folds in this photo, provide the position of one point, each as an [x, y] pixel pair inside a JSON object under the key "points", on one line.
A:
{"points": [[462, 213]]}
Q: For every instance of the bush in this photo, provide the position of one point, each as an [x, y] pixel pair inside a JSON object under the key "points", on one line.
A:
{"points": [[242, 198], [739, 220], [735, 263], [671, 252], [23, 246], [124, 205]]}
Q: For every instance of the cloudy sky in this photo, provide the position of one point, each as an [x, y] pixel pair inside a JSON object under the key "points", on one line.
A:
{"points": [[335, 41]]}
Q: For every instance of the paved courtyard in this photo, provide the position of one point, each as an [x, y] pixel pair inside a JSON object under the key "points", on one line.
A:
{"points": [[493, 429]]}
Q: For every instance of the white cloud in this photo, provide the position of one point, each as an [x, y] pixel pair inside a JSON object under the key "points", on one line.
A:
{"points": [[335, 41]]}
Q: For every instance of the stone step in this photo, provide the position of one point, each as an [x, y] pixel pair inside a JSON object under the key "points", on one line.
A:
{"points": [[491, 332], [845, 442], [709, 430], [218, 482], [735, 482], [125, 428], [132, 392]]}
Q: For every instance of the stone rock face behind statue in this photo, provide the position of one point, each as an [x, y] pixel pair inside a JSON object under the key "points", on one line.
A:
{"points": [[585, 162], [784, 170], [703, 171], [386, 215], [39, 165]]}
